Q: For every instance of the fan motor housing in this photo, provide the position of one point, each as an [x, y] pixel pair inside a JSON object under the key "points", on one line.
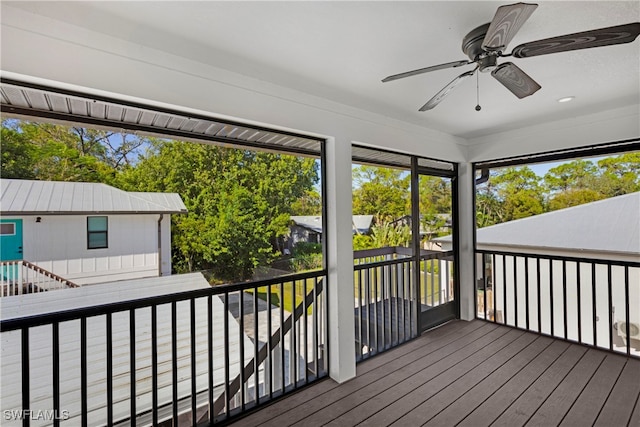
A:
{"points": [[472, 47], [472, 42]]}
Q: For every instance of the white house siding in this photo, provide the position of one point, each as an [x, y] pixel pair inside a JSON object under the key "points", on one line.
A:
{"points": [[586, 304], [59, 244]]}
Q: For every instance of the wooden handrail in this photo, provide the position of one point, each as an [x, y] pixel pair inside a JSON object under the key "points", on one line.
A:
{"points": [[42, 271]]}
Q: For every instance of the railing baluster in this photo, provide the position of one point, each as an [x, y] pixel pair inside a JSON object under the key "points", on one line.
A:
{"points": [[564, 298], [109, 379], [293, 354], [526, 291], [269, 349], [594, 312], [256, 341], [306, 332], [610, 306], [433, 280], [626, 310], [192, 312], [395, 313], [282, 359], [551, 296], [26, 399], [495, 287], [210, 356], [241, 347], [132, 364], [375, 308], [154, 364], [382, 283], [358, 275], [315, 327], [504, 289], [367, 296], [515, 291], [539, 296], [83, 370], [174, 360], [56, 371], [579, 296]]}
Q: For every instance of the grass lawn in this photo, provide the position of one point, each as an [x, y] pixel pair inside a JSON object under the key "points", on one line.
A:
{"points": [[425, 285], [287, 299]]}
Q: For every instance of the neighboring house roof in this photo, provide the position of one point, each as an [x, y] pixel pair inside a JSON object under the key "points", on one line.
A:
{"points": [[361, 223], [28, 197], [609, 225]]}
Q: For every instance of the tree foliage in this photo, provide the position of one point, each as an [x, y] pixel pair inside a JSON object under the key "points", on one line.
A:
{"points": [[44, 151], [514, 193], [382, 192], [239, 202]]}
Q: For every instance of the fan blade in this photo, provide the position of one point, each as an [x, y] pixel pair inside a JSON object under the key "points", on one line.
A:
{"points": [[426, 70], [595, 38], [516, 80], [505, 24], [446, 90]]}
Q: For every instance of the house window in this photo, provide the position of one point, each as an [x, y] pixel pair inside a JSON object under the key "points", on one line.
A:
{"points": [[97, 232], [8, 229]]}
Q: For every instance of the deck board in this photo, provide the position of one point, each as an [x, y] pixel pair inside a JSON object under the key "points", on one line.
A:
{"points": [[383, 360], [328, 405], [472, 373], [619, 406], [586, 408]]}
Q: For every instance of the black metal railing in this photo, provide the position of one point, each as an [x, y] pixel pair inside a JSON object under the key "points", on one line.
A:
{"points": [[194, 357], [436, 278], [594, 302], [388, 298]]}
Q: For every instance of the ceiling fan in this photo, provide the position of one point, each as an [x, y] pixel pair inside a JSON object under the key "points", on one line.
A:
{"points": [[485, 44]]}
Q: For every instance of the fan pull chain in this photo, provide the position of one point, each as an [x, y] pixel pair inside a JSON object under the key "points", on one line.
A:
{"points": [[478, 107]]}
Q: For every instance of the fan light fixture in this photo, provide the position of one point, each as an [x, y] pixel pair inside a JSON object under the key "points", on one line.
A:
{"points": [[566, 99]]}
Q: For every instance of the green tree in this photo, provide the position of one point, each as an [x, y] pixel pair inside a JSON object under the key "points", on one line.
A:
{"points": [[572, 184], [435, 204], [620, 174], [239, 202], [382, 192], [45, 151], [310, 203], [519, 192], [17, 153]]}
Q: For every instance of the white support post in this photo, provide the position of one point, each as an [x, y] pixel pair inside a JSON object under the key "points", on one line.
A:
{"points": [[342, 356], [466, 217]]}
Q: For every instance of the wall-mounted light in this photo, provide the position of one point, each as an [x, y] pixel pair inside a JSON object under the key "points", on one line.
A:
{"points": [[39, 219], [566, 99]]}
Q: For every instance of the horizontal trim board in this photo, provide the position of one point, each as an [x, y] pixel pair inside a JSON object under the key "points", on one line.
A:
{"points": [[29, 100], [564, 154]]}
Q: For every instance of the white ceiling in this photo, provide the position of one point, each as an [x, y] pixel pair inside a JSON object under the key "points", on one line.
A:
{"points": [[341, 51]]}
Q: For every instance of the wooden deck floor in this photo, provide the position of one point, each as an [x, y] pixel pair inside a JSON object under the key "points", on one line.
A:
{"points": [[473, 374]]}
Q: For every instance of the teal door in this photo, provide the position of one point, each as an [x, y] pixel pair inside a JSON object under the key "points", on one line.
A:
{"points": [[10, 246]]}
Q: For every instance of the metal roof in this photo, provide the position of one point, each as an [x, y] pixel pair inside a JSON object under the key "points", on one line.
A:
{"points": [[28, 197], [609, 225], [360, 223], [69, 107]]}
